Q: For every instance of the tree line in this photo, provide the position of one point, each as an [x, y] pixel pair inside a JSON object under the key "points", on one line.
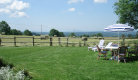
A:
{"points": [[4, 27]]}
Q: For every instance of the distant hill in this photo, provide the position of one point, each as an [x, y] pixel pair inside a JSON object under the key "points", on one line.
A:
{"points": [[105, 34]]}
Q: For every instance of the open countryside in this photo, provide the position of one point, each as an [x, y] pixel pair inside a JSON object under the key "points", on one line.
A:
{"points": [[68, 40]]}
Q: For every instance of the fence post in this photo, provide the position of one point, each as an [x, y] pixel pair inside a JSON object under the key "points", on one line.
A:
{"points": [[84, 42], [50, 41], [59, 40], [124, 41], [33, 40], [14, 41], [67, 42]]}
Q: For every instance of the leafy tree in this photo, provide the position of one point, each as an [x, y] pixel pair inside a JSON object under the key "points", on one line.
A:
{"points": [[127, 10], [80, 36], [14, 32], [27, 32], [72, 34], [5, 27], [56, 32], [93, 35], [87, 36], [123, 35], [19, 32], [61, 34], [99, 35], [136, 35], [84, 35], [129, 35]]}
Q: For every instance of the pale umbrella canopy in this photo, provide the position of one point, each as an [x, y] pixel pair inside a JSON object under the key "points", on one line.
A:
{"points": [[118, 28]]}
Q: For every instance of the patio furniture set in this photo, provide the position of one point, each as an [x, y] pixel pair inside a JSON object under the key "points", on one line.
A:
{"points": [[117, 53]]}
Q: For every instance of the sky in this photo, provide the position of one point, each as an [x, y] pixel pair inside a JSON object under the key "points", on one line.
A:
{"points": [[62, 15]]}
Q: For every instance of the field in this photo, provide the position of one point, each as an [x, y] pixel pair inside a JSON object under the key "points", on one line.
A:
{"points": [[75, 41], [56, 62], [68, 63]]}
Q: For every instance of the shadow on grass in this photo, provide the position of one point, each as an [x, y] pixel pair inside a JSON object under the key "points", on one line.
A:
{"points": [[2, 45], [133, 59]]}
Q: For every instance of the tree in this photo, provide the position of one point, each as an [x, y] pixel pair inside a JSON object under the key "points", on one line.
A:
{"points": [[99, 35], [93, 35], [61, 34], [27, 32], [72, 34], [129, 35], [19, 32], [123, 35], [15, 32], [136, 35], [127, 10], [56, 32], [5, 27]]}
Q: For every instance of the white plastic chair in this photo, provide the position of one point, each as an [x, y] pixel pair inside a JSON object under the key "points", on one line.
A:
{"points": [[101, 43]]}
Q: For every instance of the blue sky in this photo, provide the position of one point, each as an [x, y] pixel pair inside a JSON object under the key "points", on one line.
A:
{"points": [[63, 15]]}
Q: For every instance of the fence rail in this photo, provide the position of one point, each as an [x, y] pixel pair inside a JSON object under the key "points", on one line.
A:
{"points": [[58, 41]]}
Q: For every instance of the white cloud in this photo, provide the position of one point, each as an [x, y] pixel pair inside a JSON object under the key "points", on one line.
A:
{"points": [[6, 1], [71, 9], [14, 7], [19, 14], [80, 13], [100, 1], [4, 11], [75, 1], [18, 5]]}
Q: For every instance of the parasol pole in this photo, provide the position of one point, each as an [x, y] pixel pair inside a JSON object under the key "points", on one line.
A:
{"points": [[118, 37]]}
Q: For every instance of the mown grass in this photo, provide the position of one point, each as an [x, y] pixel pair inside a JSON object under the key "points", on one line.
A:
{"points": [[68, 63]]}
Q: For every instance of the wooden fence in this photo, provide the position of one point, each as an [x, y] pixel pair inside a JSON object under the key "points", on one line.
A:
{"points": [[51, 40]]}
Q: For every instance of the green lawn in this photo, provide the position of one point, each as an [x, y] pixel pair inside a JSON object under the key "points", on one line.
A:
{"points": [[68, 63]]}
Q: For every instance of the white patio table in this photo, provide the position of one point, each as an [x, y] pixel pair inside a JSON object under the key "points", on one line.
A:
{"points": [[114, 48]]}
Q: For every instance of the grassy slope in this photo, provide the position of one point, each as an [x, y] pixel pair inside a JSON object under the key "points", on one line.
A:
{"points": [[68, 63]]}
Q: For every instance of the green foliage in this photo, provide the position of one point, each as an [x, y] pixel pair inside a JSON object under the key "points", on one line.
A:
{"points": [[56, 32], [99, 35], [123, 35], [127, 10], [129, 35], [93, 35], [61, 34], [5, 27], [15, 32], [27, 32], [71, 35], [136, 35]]}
